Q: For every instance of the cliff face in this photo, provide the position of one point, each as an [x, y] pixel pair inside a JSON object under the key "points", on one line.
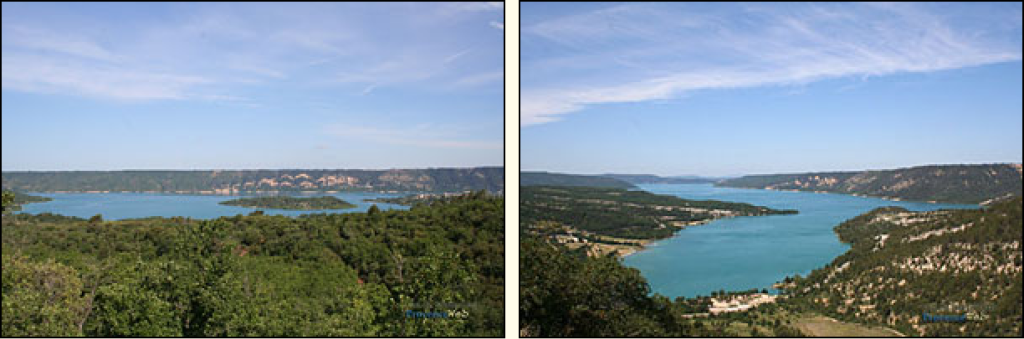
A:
{"points": [[970, 184], [225, 182]]}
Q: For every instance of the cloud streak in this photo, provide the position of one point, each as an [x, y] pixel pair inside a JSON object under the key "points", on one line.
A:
{"points": [[642, 52]]}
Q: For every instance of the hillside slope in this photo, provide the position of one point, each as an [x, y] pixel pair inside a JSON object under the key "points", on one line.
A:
{"points": [[904, 264], [654, 179], [559, 179], [968, 184], [228, 181]]}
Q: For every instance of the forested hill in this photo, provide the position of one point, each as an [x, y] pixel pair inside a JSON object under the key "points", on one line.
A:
{"points": [[654, 179], [970, 184], [559, 179], [903, 264], [229, 181], [620, 213]]}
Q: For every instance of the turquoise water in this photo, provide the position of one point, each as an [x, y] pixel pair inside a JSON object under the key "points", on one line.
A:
{"points": [[117, 206], [752, 252]]}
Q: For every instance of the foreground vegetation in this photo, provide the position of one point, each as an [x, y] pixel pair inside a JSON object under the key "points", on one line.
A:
{"points": [[566, 293], [354, 274], [291, 203]]}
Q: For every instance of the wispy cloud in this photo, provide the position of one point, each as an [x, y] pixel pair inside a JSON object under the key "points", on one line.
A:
{"points": [[46, 75], [498, 25], [642, 52], [422, 135], [456, 56], [481, 78], [222, 48], [41, 40]]}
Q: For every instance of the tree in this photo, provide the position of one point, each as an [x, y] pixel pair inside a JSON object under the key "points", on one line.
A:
{"points": [[40, 299], [8, 200], [130, 310]]}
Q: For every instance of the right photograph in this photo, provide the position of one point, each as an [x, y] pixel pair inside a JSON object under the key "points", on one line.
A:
{"points": [[770, 169]]}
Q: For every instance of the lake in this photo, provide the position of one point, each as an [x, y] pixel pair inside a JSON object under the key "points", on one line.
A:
{"points": [[117, 206], [752, 252]]}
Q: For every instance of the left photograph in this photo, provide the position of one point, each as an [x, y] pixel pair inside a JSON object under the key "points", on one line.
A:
{"points": [[253, 170]]}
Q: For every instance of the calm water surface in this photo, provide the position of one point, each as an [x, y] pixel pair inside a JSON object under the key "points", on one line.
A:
{"points": [[752, 252], [116, 206]]}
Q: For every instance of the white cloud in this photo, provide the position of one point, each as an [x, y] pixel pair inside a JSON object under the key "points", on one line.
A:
{"points": [[635, 53], [497, 25]]}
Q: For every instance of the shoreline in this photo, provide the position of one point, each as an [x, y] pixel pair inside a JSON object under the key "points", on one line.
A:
{"points": [[641, 248]]}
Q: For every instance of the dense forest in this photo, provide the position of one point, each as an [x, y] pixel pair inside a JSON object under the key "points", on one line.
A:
{"points": [[233, 181], [291, 203], [558, 179], [622, 213], [968, 184], [903, 264], [434, 270]]}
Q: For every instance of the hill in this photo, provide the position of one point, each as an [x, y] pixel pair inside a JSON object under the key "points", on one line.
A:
{"points": [[964, 264], [654, 179], [234, 181], [559, 179], [614, 219], [967, 184]]}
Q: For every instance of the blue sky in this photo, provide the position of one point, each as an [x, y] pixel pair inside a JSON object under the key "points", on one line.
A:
{"points": [[731, 89], [236, 86]]}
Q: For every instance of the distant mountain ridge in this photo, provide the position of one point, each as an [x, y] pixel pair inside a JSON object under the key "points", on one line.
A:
{"points": [[231, 181], [561, 179], [654, 179], [969, 184]]}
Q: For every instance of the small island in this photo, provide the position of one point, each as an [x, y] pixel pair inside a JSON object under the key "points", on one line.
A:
{"points": [[291, 203]]}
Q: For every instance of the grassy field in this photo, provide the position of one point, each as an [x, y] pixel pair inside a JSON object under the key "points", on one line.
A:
{"points": [[822, 326]]}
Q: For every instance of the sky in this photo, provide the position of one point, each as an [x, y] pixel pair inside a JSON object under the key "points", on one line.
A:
{"points": [[114, 86], [757, 88]]}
